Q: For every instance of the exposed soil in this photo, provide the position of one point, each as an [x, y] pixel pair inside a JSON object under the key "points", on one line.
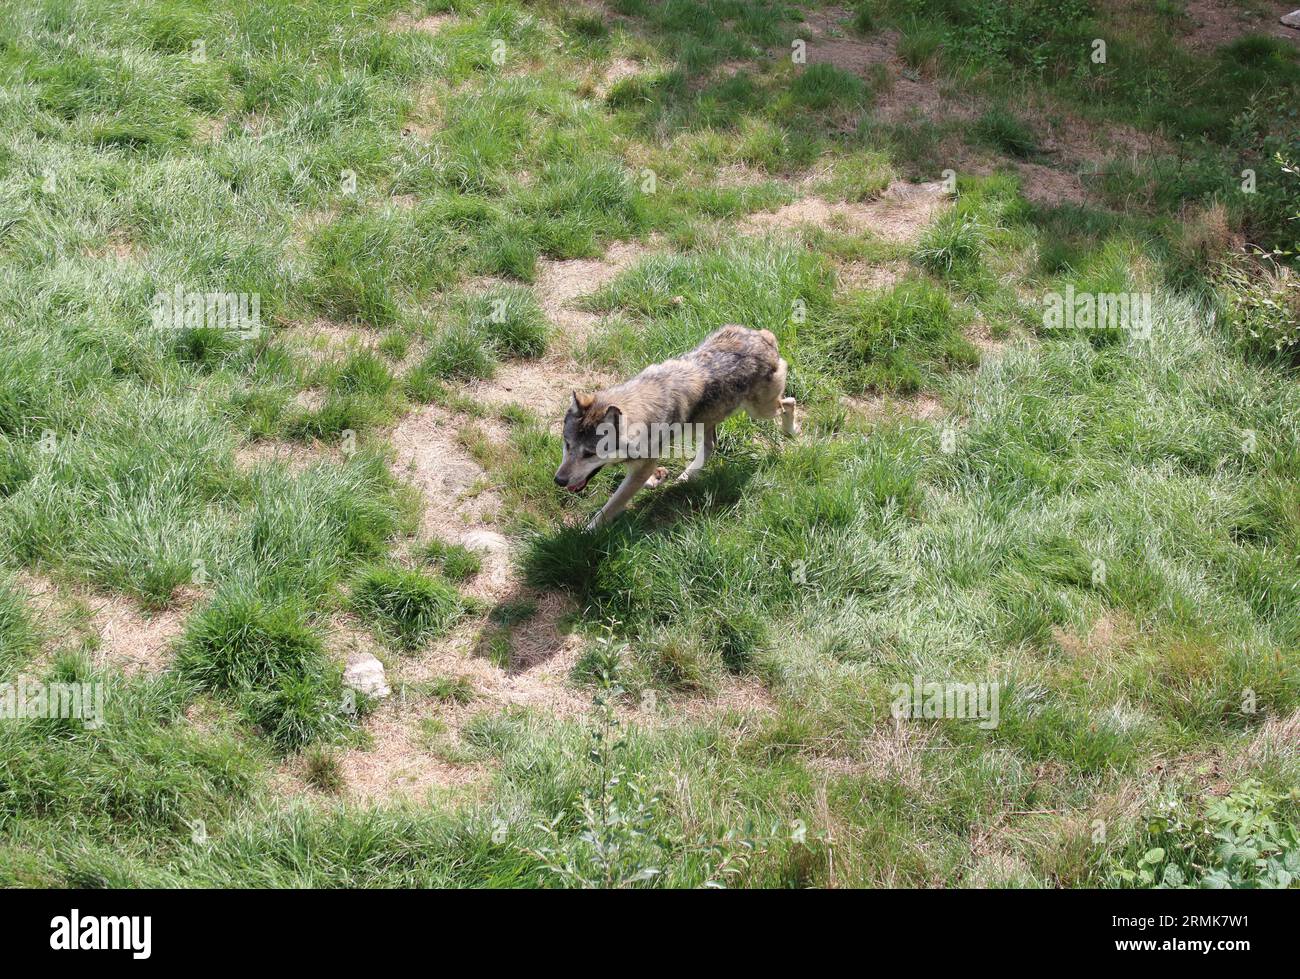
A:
{"points": [[122, 633], [1215, 23], [429, 454], [433, 24], [899, 214], [545, 386]]}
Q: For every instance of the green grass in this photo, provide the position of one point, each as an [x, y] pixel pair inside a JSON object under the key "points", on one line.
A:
{"points": [[1105, 527], [409, 607], [271, 661], [18, 635], [454, 561]]}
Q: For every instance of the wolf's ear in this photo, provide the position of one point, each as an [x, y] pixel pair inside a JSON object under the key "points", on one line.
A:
{"points": [[583, 402], [613, 417]]}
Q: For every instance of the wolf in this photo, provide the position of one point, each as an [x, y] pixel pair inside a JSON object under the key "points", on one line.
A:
{"points": [[670, 406]]}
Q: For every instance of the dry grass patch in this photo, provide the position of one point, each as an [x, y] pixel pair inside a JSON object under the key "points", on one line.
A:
{"points": [[898, 215]]}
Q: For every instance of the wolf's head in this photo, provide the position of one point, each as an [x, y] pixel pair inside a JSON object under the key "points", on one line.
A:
{"points": [[591, 429]]}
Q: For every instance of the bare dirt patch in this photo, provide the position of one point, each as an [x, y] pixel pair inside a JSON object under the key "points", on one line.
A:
{"points": [[1093, 144], [863, 275], [899, 214], [433, 24], [325, 339], [979, 334], [539, 680], [901, 92], [618, 70], [1278, 736], [1045, 185], [119, 631], [119, 247], [559, 283], [401, 762], [892, 753], [132, 639], [887, 407], [1106, 637], [430, 455], [545, 385], [296, 457], [1215, 23]]}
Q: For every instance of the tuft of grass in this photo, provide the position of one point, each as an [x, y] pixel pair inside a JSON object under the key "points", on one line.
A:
{"points": [[453, 690], [893, 341], [457, 563], [408, 607], [1002, 130], [458, 353], [323, 770], [952, 245], [19, 638], [920, 46], [823, 86], [863, 21], [266, 656], [509, 320]]}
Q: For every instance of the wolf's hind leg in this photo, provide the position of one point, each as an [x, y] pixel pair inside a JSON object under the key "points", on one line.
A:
{"points": [[637, 474], [702, 454]]}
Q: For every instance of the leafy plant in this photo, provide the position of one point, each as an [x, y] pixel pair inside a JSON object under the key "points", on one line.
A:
{"points": [[1246, 839], [1263, 306]]}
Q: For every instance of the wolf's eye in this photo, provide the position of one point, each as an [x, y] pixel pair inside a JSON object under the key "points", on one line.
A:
{"points": [[588, 453]]}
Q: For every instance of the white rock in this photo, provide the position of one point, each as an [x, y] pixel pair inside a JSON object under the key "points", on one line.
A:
{"points": [[365, 674], [1292, 19]]}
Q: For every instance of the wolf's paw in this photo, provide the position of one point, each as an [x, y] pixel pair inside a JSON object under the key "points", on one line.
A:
{"points": [[657, 477], [687, 475]]}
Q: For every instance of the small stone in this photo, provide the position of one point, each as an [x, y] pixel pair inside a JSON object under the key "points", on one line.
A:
{"points": [[1292, 19], [365, 674]]}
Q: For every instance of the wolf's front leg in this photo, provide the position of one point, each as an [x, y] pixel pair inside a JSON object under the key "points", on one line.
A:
{"points": [[788, 424], [637, 474], [702, 455]]}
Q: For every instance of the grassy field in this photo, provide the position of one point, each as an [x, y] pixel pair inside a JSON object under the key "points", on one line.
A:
{"points": [[441, 218]]}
